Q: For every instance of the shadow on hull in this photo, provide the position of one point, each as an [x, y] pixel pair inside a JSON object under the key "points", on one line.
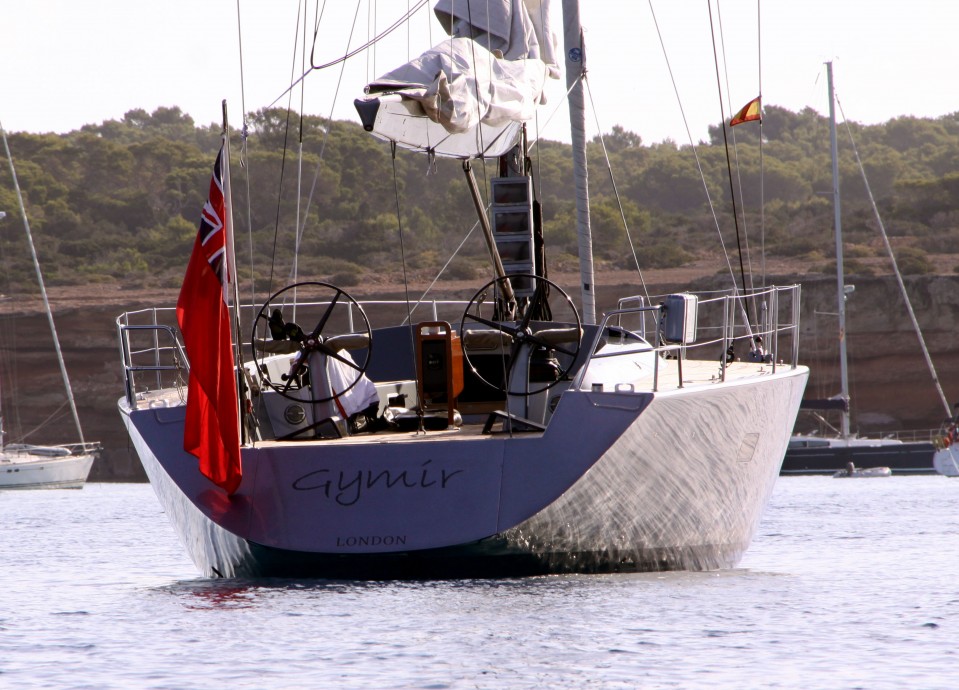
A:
{"points": [[490, 558]]}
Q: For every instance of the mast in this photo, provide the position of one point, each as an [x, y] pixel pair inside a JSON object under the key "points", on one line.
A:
{"points": [[234, 290], [575, 60], [840, 282], [43, 289]]}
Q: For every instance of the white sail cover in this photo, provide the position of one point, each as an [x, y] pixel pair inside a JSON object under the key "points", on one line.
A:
{"points": [[492, 69], [516, 29]]}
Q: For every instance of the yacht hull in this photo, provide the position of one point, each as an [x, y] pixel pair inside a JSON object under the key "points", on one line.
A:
{"points": [[619, 481]]}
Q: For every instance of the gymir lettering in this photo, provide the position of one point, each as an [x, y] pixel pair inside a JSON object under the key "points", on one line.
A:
{"points": [[347, 487]]}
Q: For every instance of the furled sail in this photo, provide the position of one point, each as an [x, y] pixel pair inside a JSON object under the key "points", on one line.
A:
{"points": [[468, 96]]}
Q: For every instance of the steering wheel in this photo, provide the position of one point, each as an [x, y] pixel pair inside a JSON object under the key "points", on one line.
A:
{"points": [[519, 333], [288, 338]]}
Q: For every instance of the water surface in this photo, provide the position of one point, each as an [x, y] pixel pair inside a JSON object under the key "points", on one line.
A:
{"points": [[849, 584]]}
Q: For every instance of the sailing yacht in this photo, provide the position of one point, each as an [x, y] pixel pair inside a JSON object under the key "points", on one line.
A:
{"points": [[807, 454], [30, 466], [516, 432]]}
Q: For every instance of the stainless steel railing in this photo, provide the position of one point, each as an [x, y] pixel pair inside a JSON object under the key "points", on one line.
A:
{"points": [[153, 357], [725, 319], [152, 353]]}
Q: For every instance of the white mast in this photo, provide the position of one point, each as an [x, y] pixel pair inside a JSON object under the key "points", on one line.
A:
{"points": [[575, 57], [43, 289], [840, 282]]}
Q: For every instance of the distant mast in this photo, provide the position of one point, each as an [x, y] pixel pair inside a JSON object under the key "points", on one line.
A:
{"points": [[43, 289], [575, 60], [841, 287]]}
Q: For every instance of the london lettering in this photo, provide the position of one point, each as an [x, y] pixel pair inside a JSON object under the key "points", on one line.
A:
{"points": [[375, 540], [347, 487]]}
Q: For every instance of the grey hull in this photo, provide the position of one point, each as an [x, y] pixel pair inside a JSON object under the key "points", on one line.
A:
{"points": [[618, 481]]}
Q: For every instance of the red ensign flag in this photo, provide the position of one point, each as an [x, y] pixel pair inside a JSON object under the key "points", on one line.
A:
{"points": [[212, 423]]}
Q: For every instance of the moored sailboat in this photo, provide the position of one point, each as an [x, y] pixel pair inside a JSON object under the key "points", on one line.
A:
{"points": [[512, 433], [810, 454], [27, 465]]}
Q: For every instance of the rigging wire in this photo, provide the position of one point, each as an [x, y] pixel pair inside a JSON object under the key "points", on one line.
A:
{"points": [[399, 226], [301, 227], [695, 151], [422, 297], [356, 51], [286, 136], [329, 128], [57, 413], [479, 128], [369, 44], [530, 146], [244, 155], [545, 125], [476, 96], [895, 266], [729, 170], [299, 158], [738, 167], [619, 200], [762, 172]]}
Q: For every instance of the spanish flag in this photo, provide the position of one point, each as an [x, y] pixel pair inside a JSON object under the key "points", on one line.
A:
{"points": [[751, 111]]}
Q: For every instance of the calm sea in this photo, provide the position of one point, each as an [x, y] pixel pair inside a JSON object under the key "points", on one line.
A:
{"points": [[850, 583]]}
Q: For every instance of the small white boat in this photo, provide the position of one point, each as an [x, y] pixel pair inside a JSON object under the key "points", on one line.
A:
{"points": [[45, 467], [854, 472]]}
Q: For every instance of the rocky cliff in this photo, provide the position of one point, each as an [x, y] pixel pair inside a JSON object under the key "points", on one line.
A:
{"points": [[891, 386]]}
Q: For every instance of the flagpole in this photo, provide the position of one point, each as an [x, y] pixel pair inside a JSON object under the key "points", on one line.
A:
{"points": [[231, 268]]}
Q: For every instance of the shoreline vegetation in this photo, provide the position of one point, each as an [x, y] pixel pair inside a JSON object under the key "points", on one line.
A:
{"points": [[116, 203]]}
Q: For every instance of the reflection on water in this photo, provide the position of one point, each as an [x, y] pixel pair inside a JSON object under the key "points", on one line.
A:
{"points": [[98, 593]]}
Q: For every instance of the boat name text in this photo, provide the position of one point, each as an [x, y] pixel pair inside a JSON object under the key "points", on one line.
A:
{"points": [[346, 487]]}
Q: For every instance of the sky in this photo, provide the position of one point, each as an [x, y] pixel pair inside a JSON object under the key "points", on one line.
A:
{"points": [[67, 63]]}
